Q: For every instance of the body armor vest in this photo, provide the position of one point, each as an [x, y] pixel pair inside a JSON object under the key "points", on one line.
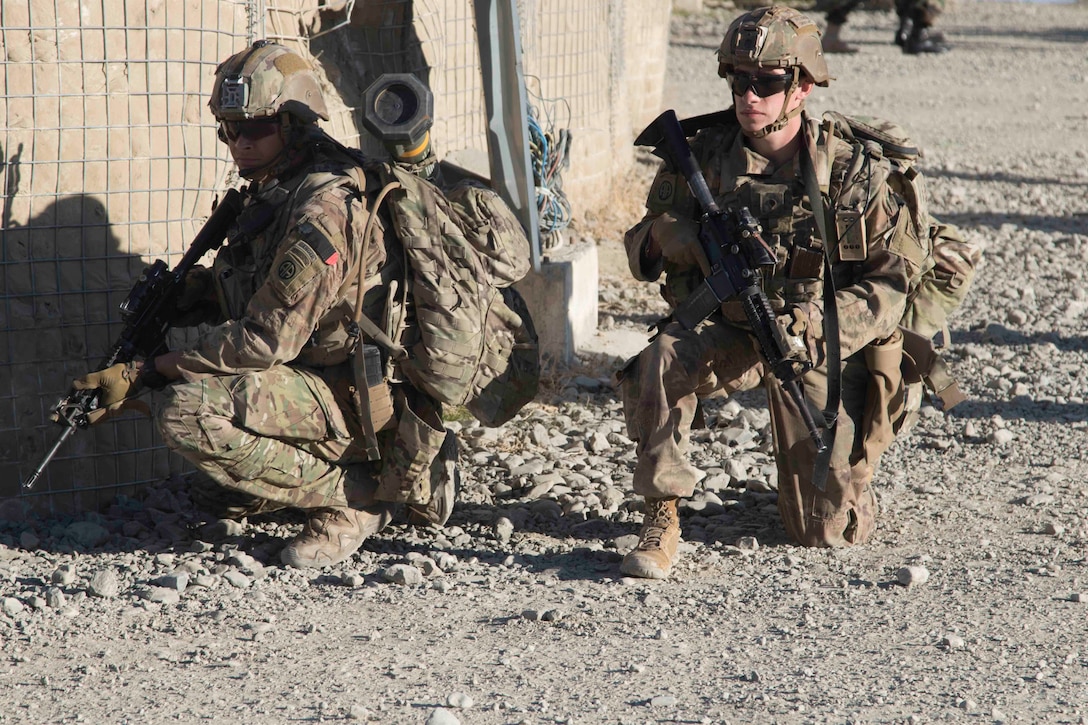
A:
{"points": [[244, 264], [786, 217]]}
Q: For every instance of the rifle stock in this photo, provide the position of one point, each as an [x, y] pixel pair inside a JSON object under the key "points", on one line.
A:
{"points": [[737, 255], [146, 313]]}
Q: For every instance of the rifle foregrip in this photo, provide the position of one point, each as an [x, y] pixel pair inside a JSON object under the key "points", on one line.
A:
{"points": [[760, 314]]}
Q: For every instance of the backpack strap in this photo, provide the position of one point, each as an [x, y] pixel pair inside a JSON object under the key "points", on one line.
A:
{"points": [[374, 408], [368, 326], [928, 366]]}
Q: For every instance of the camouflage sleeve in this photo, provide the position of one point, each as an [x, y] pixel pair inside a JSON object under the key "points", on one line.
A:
{"points": [[304, 282], [643, 267], [644, 264], [668, 194], [872, 304]]}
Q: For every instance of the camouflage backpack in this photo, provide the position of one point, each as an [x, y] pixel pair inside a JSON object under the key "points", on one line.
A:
{"points": [[474, 342], [948, 268]]}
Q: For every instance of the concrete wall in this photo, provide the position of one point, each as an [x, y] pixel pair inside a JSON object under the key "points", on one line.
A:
{"points": [[110, 160]]}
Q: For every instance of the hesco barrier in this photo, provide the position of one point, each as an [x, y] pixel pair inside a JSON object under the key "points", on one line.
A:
{"points": [[109, 159]]}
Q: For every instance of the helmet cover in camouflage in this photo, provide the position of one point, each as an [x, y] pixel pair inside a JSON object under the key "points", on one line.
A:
{"points": [[264, 80], [774, 37]]}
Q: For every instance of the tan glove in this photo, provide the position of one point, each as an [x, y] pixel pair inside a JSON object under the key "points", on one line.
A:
{"points": [[117, 385], [802, 327], [678, 240]]}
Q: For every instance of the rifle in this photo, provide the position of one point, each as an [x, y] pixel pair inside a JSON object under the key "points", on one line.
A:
{"points": [[737, 255], [146, 313]]}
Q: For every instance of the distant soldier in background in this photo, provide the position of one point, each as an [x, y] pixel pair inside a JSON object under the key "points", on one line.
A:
{"points": [[915, 34]]}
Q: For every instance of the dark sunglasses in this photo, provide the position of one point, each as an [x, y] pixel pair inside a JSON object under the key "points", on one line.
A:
{"points": [[762, 86], [254, 129]]}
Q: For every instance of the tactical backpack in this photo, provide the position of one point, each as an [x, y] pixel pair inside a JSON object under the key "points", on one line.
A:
{"points": [[949, 264], [473, 342]]}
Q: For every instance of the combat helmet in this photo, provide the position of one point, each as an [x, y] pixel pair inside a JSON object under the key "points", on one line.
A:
{"points": [[264, 80], [775, 37]]}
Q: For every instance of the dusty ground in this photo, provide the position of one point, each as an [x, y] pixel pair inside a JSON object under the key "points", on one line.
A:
{"points": [[516, 613]]}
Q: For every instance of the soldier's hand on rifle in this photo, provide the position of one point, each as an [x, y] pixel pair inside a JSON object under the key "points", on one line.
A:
{"points": [[802, 325], [678, 240], [118, 384], [197, 302]]}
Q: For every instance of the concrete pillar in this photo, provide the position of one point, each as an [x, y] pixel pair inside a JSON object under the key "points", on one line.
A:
{"points": [[562, 298]]}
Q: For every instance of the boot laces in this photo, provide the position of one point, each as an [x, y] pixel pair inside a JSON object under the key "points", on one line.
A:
{"points": [[658, 519], [319, 521]]}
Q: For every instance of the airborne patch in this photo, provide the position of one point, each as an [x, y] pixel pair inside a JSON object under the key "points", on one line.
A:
{"points": [[662, 193], [287, 270], [295, 269]]}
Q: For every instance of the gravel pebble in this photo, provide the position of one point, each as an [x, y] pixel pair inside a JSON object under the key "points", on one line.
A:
{"points": [[403, 574], [459, 700], [910, 576], [104, 583], [12, 607], [442, 716]]}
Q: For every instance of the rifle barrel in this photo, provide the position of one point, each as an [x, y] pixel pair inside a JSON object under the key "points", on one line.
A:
{"points": [[33, 478]]}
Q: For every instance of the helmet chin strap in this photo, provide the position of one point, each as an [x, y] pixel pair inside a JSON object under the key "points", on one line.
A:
{"points": [[783, 116], [259, 172]]}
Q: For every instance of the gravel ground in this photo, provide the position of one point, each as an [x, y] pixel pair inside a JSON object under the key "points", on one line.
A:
{"points": [[970, 604]]}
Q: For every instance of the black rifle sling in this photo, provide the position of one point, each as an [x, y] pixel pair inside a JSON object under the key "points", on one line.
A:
{"points": [[832, 350]]}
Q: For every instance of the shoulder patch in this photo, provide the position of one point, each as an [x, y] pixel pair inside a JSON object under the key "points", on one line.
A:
{"points": [[294, 270], [663, 192], [318, 241], [905, 242]]}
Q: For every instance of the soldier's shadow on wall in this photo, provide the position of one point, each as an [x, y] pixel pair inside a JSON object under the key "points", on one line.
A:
{"points": [[64, 278]]}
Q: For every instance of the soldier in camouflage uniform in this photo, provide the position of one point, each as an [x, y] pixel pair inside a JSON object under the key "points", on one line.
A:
{"points": [[914, 35], [263, 402], [751, 157]]}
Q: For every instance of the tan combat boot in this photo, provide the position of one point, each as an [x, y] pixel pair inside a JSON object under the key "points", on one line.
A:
{"points": [[833, 42], [331, 535], [657, 542]]}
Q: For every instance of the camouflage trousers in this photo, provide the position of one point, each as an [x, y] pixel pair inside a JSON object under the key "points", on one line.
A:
{"points": [[279, 435], [661, 392], [924, 12]]}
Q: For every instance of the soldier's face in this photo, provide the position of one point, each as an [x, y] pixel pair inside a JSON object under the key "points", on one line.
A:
{"points": [[254, 148], [763, 95]]}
